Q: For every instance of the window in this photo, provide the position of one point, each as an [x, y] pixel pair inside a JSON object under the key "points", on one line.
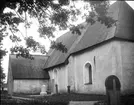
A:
{"points": [[87, 74]]}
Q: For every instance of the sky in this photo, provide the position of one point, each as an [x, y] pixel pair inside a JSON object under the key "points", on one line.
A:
{"points": [[33, 32]]}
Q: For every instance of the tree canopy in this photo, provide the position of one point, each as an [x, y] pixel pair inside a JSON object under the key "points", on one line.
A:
{"points": [[50, 14], [2, 53]]}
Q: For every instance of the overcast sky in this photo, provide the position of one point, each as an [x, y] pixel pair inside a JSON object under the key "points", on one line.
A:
{"points": [[33, 32]]}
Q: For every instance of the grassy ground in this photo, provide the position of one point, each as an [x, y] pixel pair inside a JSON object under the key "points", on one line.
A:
{"points": [[73, 97], [8, 100], [59, 99], [65, 97]]}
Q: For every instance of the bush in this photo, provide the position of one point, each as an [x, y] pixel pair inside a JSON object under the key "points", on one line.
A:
{"points": [[29, 102]]}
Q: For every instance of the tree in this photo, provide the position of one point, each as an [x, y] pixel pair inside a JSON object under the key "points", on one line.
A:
{"points": [[2, 75], [50, 15], [2, 53]]}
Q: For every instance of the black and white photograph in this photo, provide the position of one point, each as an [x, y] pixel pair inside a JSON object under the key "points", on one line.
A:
{"points": [[67, 52]]}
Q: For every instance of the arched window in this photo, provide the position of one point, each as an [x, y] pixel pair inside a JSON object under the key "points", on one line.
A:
{"points": [[87, 74]]}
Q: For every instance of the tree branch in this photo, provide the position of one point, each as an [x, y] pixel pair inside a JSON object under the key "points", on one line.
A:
{"points": [[18, 15], [25, 24], [13, 35]]}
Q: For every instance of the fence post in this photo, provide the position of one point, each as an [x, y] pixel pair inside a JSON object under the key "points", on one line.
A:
{"points": [[68, 89]]}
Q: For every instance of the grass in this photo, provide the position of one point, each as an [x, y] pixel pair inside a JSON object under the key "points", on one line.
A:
{"points": [[56, 99], [66, 97], [60, 99], [72, 97], [8, 100]]}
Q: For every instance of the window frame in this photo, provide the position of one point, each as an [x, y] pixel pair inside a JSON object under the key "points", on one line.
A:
{"points": [[90, 76]]}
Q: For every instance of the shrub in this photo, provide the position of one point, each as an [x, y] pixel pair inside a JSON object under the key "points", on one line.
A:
{"points": [[29, 102]]}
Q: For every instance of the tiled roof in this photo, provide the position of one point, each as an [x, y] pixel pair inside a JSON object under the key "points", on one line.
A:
{"points": [[22, 68], [57, 57], [95, 34]]}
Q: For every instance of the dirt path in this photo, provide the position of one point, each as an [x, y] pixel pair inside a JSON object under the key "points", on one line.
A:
{"points": [[22, 98]]}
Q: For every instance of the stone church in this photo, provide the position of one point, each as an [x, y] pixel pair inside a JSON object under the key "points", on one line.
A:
{"points": [[93, 56]]}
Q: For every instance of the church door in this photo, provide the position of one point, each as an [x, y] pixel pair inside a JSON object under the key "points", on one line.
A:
{"points": [[113, 86]]}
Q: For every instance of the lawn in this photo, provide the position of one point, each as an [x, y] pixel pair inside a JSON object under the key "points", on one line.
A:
{"points": [[73, 97], [58, 99]]}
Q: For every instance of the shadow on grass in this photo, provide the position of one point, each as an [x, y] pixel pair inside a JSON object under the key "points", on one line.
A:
{"points": [[61, 99]]}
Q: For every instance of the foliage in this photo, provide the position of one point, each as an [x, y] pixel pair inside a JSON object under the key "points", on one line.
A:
{"points": [[2, 75], [76, 29], [2, 53], [59, 46], [21, 51], [30, 102], [50, 14]]}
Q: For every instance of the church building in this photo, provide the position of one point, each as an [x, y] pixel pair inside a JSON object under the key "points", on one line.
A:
{"points": [[96, 54], [92, 57]]}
